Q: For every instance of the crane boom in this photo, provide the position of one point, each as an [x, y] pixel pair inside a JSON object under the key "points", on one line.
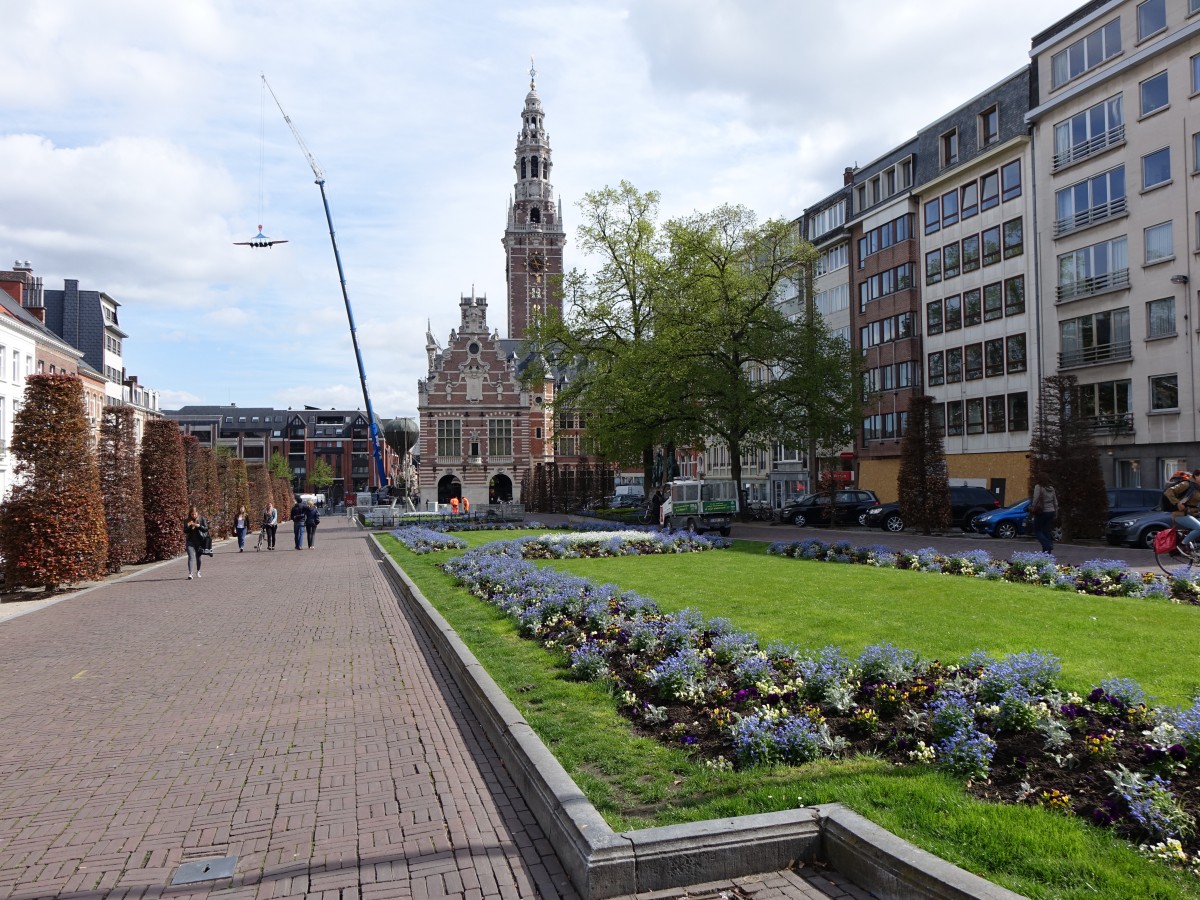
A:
{"points": [[319, 174]]}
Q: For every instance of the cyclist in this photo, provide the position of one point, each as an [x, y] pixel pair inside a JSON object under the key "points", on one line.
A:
{"points": [[1185, 496]]}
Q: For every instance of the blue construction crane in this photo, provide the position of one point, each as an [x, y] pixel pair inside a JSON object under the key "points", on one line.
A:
{"points": [[319, 174]]}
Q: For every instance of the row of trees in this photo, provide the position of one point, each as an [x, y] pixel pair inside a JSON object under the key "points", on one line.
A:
{"points": [[678, 338], [75, 513]]}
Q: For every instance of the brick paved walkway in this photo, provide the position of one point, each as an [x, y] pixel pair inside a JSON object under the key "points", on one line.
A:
{"points": [[281, 710]]}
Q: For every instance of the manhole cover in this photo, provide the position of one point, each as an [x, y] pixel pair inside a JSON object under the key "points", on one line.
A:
{"points": [[205, 870]]}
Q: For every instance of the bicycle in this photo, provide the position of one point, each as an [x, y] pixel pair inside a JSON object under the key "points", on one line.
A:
{"points": [[262, 537], [1178, 562]]}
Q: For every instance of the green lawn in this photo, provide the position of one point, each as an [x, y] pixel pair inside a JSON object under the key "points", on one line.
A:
{"points": [[636, 783]]}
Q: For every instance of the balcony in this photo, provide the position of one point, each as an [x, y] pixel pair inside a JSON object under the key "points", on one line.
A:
{"points": [[1110, 423], [1097, 355], [1098, 284], [1090, 216], [1098, 144]]}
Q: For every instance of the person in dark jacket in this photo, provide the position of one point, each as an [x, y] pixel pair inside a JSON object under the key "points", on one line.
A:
{"points": [[195, 535], [241, 524], [312, 518], [298, 515]]}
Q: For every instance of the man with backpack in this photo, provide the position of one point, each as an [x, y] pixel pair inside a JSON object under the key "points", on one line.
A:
{"points": [[298, 516], [1182, 499]]}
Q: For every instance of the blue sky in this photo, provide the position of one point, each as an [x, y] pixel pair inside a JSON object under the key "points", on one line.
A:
{"points": [[131, 133]]}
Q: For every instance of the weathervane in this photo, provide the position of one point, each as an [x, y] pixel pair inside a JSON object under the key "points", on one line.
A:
{"points": [[532, 73]]}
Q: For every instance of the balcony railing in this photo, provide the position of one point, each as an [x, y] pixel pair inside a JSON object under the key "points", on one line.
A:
{"points": [[1090, 216], [1097, 355], [1111, 423], [1100, 142], [1097, 284]]}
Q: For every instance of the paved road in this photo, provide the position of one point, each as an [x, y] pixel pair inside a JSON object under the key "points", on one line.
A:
{"points": [[280, 710]]}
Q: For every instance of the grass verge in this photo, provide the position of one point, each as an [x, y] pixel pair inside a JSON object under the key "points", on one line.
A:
{"points": [[635, 782]]}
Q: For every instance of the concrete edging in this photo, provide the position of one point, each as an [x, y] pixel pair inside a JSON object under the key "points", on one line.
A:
{"points": [[602, 863]]}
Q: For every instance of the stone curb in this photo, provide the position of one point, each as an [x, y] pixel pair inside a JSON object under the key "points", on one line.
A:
{"points": [[602, 863]]}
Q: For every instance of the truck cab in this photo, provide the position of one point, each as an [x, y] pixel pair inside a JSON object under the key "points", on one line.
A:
{"points": [[699, 505]]}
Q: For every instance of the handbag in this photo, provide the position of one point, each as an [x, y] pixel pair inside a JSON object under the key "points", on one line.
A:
{"points": [[1166, 540]]}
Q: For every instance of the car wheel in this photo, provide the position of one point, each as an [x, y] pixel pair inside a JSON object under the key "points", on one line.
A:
{"points": [[893, 523], [1056, 533], [1148, 536], [1006, 531], [691, 525], [970, 517], [799, 520], [862, 518], [725, 532]]}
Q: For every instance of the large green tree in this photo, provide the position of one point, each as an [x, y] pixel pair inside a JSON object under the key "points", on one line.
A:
{"points": [[321, 476]]}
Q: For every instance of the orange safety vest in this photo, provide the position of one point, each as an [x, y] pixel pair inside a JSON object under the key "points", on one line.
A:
{"points": [[454, 505]]}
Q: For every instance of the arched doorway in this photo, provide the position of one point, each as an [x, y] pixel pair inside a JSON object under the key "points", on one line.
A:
{"points": [[448, 486], [500, 489]]}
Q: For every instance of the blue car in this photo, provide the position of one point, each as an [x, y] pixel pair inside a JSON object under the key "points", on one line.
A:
{"points": [[1006, 523]]}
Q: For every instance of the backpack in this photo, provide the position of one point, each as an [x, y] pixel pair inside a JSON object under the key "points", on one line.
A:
{"points": [[1172, 496]]}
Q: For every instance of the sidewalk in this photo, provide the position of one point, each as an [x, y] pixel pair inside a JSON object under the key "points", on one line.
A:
{"points": [[279, 710]]}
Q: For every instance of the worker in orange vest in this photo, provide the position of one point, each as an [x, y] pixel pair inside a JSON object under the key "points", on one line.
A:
{"points": [[454, 506], [466, 505]]}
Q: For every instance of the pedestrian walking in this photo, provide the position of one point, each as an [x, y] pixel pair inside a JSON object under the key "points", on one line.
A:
{"points": [[1044, 506], [298, 515], [312, 518], [241, 524], [271, 522], [195, 536]]}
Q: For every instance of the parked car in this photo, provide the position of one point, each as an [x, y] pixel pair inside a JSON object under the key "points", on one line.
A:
{"points": [[966, 503], [814, 509], [1136, 529], [1007, 522], [1131, 501]]}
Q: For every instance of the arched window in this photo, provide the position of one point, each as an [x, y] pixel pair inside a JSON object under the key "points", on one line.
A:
{"points": [[522, 167], [535, 215], [533, 166]]}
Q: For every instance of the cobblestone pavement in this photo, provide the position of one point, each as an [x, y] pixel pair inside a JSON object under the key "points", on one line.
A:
{"points": [[280, 710]]}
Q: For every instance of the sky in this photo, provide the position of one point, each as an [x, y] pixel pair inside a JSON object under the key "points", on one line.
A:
{"points": [[137, 145]]}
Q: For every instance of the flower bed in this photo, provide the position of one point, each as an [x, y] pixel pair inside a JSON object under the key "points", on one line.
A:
{"points": [[425, 540], [1099, 577], [1003, 725]]}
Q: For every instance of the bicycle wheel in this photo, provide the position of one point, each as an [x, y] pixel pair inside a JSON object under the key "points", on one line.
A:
{"points": [[1178, 563]]}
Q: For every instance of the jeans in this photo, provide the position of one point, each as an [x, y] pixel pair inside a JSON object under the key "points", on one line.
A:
{"points": [[1043, 528], [311, 530], [1188, 522], [193, 553], [271, 529], [241, 536], [299, 528]]}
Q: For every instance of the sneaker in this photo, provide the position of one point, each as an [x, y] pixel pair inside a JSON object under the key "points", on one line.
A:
{"points": [[189, 578], [197, 574]]}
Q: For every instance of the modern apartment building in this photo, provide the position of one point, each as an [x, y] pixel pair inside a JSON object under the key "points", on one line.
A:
{"points": [[1115, 129], [979, 316]]}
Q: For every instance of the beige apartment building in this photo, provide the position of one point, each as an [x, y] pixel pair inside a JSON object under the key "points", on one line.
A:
{"points": [[1115, 131]]}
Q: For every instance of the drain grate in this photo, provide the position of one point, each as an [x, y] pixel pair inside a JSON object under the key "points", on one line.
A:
{"points": [[205, 870]]}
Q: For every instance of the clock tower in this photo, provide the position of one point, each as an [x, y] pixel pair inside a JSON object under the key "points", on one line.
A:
{"points": [[534, 239]]}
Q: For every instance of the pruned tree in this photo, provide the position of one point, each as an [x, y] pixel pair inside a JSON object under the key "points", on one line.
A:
{"points": [[923, 484], [121, 487], [52, 528], [164, 488], [261, 492], [1063, 447], [234, 487], [204, 490]]}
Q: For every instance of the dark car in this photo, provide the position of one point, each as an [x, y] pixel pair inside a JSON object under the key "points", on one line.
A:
{"points": [[1130, 501], [814, 509], [1136, 529], [966, 503]]}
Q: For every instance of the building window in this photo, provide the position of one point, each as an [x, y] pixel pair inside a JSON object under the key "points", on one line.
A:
{"points": [[1196, 149], [949, 144], [970, 253], [1010, 180], [993, 302], [1160, 243], [1089, 132], [993, 357], [1018, 411], [1154, 94], [991, 246], [995, 414], [950, 260], [933, 317], [989, 126], [1164, 393], [1151, 18], [973, 360], [933, 215], [949, 208], [989, 190], [1093, 270], [970, 200], [972, 314], [1102, 403], [1014, 241], [1160, 318], [1156, 168], [1015, 345], [954, 365], [933, 266], [1089, 201], [1099, 338], [953, 313], [449, 437], [1196, 74], [500, 437], [1086, 53], [954, 417], [975, 416]]}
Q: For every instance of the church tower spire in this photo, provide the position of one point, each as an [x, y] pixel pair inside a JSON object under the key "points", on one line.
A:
{"points": [[534, 238]]}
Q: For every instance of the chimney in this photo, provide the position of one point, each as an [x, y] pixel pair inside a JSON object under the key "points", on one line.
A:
{"points": [[848, 175]]}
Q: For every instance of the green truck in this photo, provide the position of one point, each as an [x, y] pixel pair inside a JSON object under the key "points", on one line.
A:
{"points": [[700, 505]]}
